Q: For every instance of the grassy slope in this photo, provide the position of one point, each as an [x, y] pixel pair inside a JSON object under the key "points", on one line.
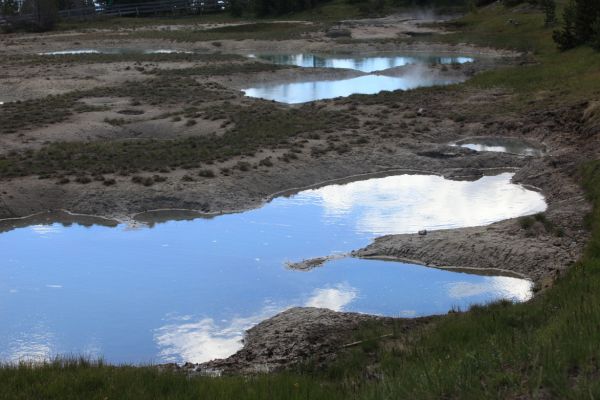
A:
{"points": [[550, 74], [547, 347], [331, 11]]}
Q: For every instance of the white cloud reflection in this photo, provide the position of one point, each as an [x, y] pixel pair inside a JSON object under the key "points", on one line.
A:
{"points": [[483, 147], [205, 339], [332, 298], [364, 64], [198, 342], [302, 92], [186, 338], [409, 203], [45, 229], [501, 287], [33, 346]]}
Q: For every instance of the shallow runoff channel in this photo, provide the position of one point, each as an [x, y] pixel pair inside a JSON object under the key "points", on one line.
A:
{"points": [[187, 290], [375, 79]]}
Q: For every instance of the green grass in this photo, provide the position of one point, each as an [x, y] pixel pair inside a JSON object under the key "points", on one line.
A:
{"points": [[330, 11], [549, 73], [27, 59], [81, 379], [254, 30], [142, 22]]}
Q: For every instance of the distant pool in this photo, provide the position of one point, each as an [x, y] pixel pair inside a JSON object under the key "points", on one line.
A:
{"points": [[302, 92], [361, 63], [502, 145], [372, 83], [111, 51]]}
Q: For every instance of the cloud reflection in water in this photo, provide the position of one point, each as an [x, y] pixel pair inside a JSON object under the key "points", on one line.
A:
{"points": [[502, 286], [335, 298], [34, 346], [409, 203], [205, 339]]}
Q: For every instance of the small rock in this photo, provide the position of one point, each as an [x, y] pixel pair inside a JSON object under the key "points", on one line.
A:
{"points": [[421, 112]]}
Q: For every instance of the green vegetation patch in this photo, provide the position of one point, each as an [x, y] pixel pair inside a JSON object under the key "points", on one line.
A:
{"points": [[259, 126], [546, 71], [112, 23], [533, 224], [20, 115], [81, 379], [94, 58], [221, 69], [171, 86]]}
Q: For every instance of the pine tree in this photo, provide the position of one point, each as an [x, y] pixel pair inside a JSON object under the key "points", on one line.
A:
{"points": [[585, 16], [595, 39], [8, 7], [580, 24], [565, 37], [550, 12]]}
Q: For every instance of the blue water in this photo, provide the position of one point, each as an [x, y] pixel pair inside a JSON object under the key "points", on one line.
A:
{"points": [[361, 63], [186, 290], [302, 92]]}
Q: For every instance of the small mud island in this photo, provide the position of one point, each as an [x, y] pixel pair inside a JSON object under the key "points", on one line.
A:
{"points": [[138, 147]]}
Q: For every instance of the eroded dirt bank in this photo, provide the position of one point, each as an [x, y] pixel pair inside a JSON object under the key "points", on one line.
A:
{"points": [[536, 252]]}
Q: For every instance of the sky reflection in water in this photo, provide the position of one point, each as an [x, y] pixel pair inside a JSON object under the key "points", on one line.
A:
{"points": [[365, 64], [502, 145], [75, 52], [186, 290], [302, 92]]}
